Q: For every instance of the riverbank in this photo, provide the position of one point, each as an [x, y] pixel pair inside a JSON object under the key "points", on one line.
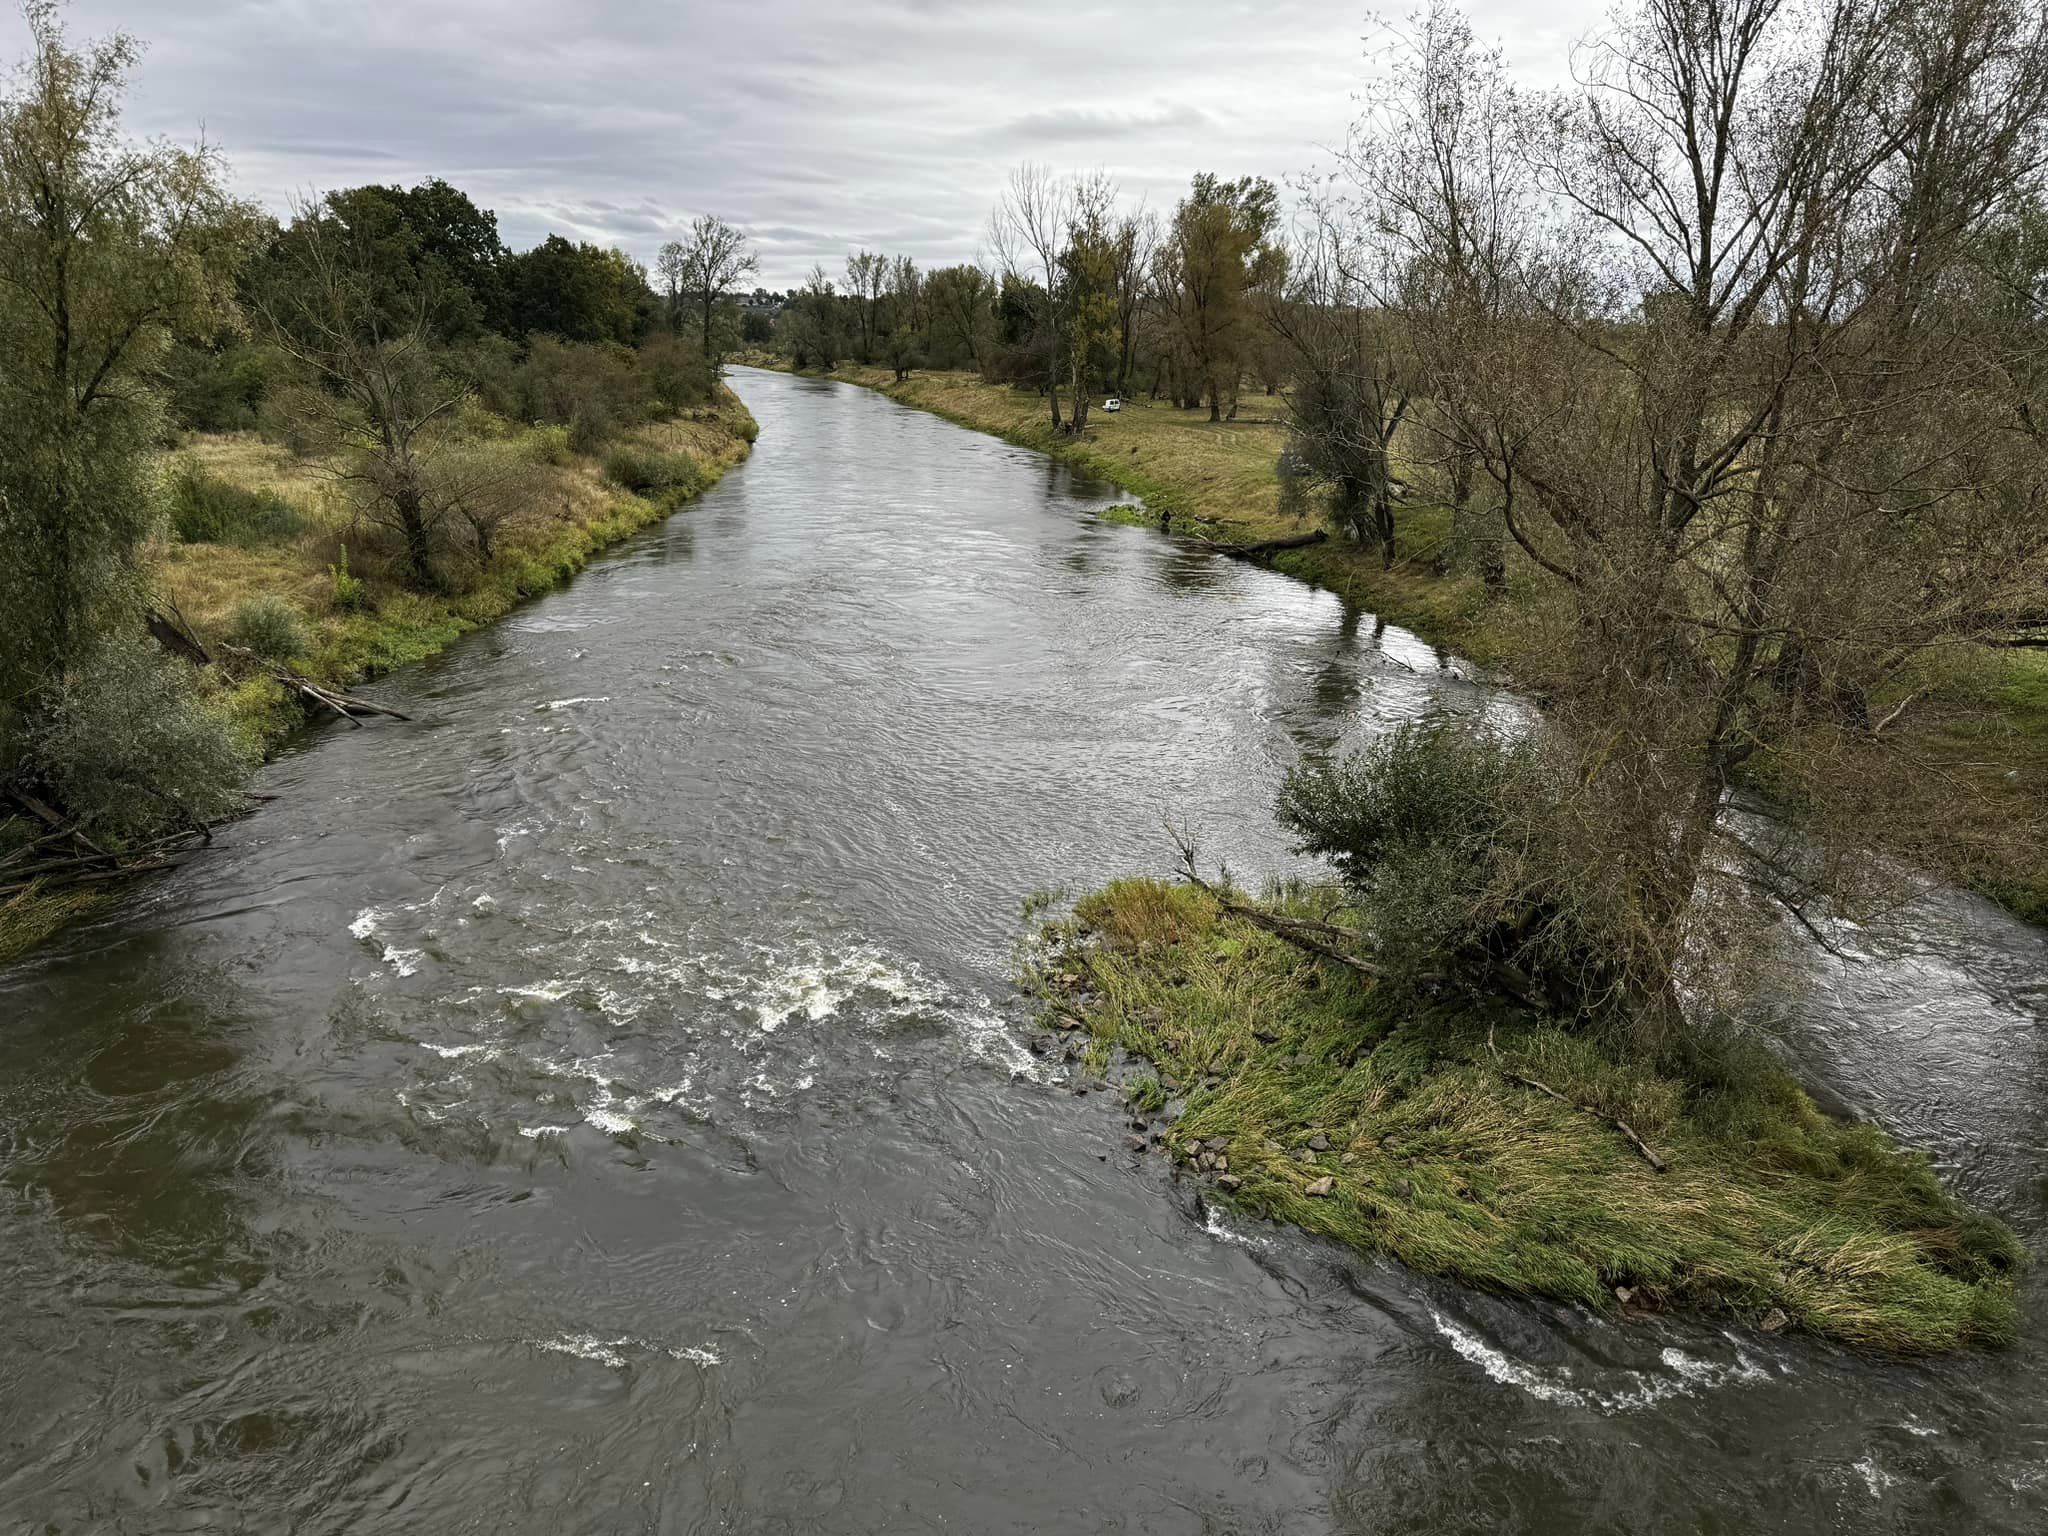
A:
{"points": [[1486, 1146], [355, 620], [1967, 752]]}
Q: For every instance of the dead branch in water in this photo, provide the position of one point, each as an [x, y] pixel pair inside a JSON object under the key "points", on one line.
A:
{"points": [[1261, 550]]}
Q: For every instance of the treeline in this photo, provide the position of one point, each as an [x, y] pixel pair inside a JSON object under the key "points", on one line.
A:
{"points": [[387, 335], [1084, 296]]}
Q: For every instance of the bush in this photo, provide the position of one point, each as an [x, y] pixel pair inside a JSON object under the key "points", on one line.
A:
{"points": [[129, 747], [1489, 862], [648, 472], [206, 509], [349, 593], [269, 626], [220, 389]]}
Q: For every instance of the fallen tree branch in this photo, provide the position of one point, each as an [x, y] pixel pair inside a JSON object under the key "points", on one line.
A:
{"points": [[174, 636], [1621, 1125], [1303, 933], [1258, 551], [346, 705]]}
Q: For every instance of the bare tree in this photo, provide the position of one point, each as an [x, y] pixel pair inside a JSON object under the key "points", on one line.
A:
{"points": [[1742, 412], [1137, 238], [867, 279], [1348, 394], [704, 267], [1029, 231]]}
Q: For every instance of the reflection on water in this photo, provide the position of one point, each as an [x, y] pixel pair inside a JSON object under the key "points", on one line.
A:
{"points": [[598, 1105]]}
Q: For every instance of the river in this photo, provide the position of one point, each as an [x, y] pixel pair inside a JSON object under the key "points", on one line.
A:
{"points": [[598, 1106]]}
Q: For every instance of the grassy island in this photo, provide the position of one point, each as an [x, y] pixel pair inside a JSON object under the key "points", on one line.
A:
{"points": [[1487, 1144]]}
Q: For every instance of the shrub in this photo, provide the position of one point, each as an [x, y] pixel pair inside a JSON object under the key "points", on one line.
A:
{"points": [[349, 594], [547, 445], [1477, 858], [648, 472], [129, 747], [206, 509], [220, 389], [269, 626]]}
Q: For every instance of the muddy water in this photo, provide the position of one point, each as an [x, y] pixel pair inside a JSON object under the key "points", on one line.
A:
{"points": [[597, 1105]]}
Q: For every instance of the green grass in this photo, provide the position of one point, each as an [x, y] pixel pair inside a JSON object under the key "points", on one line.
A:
{"points": [[1439, 1158], [585, 509]]}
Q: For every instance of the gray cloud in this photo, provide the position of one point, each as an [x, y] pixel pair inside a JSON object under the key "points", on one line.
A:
{"points": [[818, 125]]}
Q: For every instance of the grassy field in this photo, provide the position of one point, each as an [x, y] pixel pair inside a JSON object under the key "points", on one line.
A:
{"points": [[1969, 754], [1308, 1100], [572, 512]]}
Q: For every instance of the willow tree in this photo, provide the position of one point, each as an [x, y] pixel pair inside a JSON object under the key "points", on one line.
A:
{"points": [[106, 248]]}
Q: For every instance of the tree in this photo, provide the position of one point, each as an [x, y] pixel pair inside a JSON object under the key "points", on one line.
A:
{"points": [[1215, 251], [377, 394], [1348, 395], [961, 303], [867, 276], [106, 249], [1091, 263], [436, 235], [1137, 241], [579, 292], [706, 265], [814, 316], [903, 321], [1029, 232], [1743, 406]]}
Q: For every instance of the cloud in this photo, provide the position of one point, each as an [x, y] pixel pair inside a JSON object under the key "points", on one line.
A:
{"points": [[1089, 124], [820, 126]]}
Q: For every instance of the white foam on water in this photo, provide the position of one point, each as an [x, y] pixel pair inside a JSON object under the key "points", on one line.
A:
{"points": [[554, 704], [1875, 1478], [404, 961], [365, 925], [460, 1052], [553, 990], [611, 1352], [536, 1132], [1214, 1224], [1556, 1384]]}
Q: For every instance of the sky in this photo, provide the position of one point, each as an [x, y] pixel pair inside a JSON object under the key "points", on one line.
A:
{"points": [[818, 126]]}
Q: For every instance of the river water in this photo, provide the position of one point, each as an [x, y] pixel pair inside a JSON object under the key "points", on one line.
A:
{"points": [[597, 1105]]}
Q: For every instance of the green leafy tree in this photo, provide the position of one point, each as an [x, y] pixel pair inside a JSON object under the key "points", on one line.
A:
{"points": [[106, 249]]}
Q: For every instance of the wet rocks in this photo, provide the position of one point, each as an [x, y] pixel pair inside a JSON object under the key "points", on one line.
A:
{"points": [[1322, 1188], [1319, 1142], [1229, 1181], [1135, 1143], [1775, 1321]]}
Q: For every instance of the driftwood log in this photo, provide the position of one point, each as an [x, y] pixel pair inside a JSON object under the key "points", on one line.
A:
{"points": [[64, 855], [1261, 550]]}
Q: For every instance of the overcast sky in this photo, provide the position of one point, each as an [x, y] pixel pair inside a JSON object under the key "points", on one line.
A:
{"points": [[817, 125]]}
